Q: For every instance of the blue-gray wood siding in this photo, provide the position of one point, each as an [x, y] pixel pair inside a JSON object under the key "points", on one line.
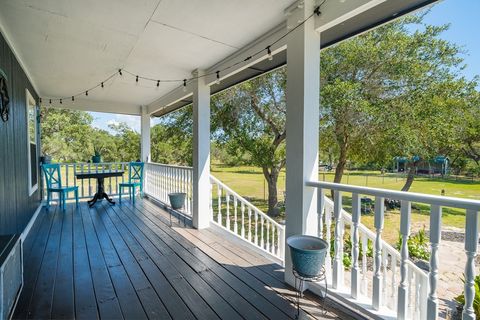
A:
{"points": [[16, 205]]}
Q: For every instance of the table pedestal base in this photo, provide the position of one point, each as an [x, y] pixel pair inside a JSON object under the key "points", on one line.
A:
{"points": [[101, 194]]}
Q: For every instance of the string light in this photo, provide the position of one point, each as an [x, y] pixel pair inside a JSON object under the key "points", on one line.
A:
{"points": [[40, 100], [217, 81], [269, 54], [50, 101], [73, 98]]}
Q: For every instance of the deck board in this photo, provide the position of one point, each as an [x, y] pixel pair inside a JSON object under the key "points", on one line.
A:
{"points": [[127, 262]]}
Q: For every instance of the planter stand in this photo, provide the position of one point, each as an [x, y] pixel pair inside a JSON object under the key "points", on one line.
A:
{"points": [[301, 282]]}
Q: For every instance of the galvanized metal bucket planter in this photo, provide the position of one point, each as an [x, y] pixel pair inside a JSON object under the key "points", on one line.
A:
{"points": [[177, 200], [308, 255]]}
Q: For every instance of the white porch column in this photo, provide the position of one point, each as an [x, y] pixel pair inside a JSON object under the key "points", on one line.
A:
{"points": [[303, 89], [145, 136], [201, 152]]}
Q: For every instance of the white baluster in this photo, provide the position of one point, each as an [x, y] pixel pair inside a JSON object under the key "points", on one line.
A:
{"points": [[402, 303], [355, 275], [394, 282], [262, 242], [267, 226], [227, 198], [249, 224], [219, 200], [320, 210], [377, 276], [243, 221], [384, 276], [364, 263], [256, 227], [235, 227], [435, 236], [471, 243], [338, 258], [281, 244], [328, 225], [212, 217]]}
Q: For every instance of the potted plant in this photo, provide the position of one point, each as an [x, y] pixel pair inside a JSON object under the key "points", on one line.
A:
{"points": [[177, 200], [308, 254], [45, 159], [97, 157]]}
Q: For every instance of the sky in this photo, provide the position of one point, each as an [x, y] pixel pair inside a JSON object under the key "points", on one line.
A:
{"points": [[462, 15]]}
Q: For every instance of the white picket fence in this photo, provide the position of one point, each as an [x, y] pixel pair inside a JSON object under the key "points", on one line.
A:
{"points": [[394, 283]]}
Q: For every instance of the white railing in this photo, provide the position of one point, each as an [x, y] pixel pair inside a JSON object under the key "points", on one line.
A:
{"points": [[88, 187], [394, 283], [237, 215], [162, 179], [228, 210]]}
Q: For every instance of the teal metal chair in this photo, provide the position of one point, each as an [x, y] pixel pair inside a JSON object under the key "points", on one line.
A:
{"points": [[135, 179], [54, 184]]}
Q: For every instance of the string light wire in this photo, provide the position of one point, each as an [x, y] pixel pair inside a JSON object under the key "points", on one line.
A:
{"points": [[120, 71]]}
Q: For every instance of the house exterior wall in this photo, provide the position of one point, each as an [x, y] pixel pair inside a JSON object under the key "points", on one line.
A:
{"points": [[16, 205]]}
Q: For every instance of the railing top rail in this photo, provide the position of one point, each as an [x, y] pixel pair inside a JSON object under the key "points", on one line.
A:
{"points": [[242, 199], [401, 195], [169, 165], [90, 163]]}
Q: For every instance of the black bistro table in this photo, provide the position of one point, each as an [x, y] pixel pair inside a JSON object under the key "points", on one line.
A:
{"points": [[100, 176]]}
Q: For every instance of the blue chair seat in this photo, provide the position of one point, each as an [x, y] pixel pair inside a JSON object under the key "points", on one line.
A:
{"points": [[135, 179], [63, 189]]}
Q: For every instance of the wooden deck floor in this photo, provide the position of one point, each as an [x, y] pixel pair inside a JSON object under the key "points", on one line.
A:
{"points": [[121, 261]]}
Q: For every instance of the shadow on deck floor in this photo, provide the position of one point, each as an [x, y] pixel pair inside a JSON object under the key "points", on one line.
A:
{"points": [[126, 261]]}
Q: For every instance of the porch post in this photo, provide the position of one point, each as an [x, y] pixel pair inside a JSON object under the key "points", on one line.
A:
{"points": [[145, 134], [201, 152], [303, 89]]}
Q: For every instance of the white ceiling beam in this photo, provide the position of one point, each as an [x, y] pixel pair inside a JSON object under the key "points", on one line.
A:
{"points": [[97, 106], [335, 13]]}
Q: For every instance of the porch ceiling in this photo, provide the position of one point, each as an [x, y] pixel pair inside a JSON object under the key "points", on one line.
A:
{"points": [[67, 46]]}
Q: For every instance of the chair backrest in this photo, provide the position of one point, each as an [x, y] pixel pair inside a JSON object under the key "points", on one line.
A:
{"points": [[135, 172], [52, 175]]}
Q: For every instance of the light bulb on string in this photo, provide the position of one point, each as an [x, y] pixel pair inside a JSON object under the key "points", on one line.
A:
{"points": [[61, 101], [50, 101], [218, 78], [269, 54], [120, 72], [73, 98], [136, 80], [184, 85], [158, 83], [101, 85]]}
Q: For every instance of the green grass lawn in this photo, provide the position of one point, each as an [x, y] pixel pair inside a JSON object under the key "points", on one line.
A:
{"points": [[249, 182]]}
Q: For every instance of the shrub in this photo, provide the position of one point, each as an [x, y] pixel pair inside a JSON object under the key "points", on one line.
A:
{"points": [[476, 300], [418, 246]]}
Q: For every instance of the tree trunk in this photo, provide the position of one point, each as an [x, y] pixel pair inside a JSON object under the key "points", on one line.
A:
{"points": [[410, 177], [342, 162], [272, 179]]}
